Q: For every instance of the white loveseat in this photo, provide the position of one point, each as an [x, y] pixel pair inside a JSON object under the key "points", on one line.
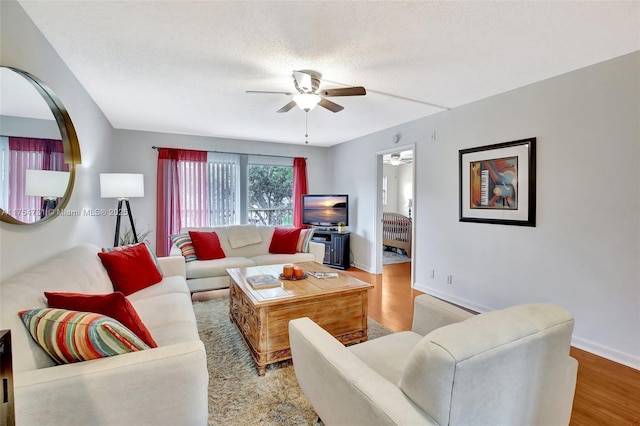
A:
{"points": [[507, 367], [212, 274], [166, 385]]}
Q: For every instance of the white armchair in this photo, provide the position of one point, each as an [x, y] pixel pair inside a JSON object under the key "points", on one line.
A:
{"points": [[506, 367]]}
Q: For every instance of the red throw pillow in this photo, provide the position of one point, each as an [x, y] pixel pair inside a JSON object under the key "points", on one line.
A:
{"points": [[207, 245], [114, 305], [284, 240], [131, 269]]}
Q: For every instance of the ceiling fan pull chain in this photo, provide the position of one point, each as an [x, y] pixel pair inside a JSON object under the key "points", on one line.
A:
{"points": [[306, 127]]}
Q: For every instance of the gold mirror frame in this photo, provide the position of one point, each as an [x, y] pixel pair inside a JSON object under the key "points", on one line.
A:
{"points": [[70, 144]]}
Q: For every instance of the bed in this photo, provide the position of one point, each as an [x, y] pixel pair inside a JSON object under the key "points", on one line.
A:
{"points": [[396, 231]]}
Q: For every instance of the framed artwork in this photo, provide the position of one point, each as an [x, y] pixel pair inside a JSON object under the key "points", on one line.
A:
{"points": [[498, 183]]}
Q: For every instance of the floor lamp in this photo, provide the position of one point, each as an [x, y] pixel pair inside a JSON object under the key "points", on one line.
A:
{"points": [[122, 186], [48, 184]]}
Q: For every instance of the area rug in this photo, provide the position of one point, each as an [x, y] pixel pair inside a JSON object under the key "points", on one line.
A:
{"points": [[237, 395], [391, 257]]}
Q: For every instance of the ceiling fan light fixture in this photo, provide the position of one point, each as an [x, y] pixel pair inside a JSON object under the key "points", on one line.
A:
{"points": [[395, 160], [306, 101]]}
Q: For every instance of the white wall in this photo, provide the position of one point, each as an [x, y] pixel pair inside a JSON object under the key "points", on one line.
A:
{"points": [[399, 187], [134, 154], [584, 253], [405, 187], [23, 46], [391, 173]]}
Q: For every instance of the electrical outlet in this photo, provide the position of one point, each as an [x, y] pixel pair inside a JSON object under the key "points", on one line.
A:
{"points": [[449, 279], [432, 273]]}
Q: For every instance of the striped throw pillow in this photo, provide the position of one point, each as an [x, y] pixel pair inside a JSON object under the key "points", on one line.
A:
{"points": [[184, 243], [146, 243], [73, 336], [303, 240]]}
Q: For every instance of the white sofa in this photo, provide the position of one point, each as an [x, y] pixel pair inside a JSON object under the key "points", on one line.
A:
{"points": [[166, 385], [506, 367], [212, 274]]}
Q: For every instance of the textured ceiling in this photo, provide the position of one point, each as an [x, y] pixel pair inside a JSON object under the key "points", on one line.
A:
{"points": [[184, 66]]}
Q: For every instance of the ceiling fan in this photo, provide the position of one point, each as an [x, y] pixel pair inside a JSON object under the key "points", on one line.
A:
{"points": [[398, 158], [307, 83]]}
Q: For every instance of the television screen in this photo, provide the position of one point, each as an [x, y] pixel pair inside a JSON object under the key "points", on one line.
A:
{"points": [[325, 210]]}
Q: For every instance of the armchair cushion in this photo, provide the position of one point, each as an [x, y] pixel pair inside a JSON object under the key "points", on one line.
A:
{"points": [[388, 356]]}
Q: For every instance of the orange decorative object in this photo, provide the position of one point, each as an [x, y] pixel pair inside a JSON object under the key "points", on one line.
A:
{"points": [[287, 270], [298, 272]]}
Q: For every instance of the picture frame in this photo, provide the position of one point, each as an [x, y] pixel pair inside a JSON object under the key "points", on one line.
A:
{"points": [[498, 183]]}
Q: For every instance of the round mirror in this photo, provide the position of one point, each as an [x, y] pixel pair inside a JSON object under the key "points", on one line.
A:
{"points": [[38, 150]]}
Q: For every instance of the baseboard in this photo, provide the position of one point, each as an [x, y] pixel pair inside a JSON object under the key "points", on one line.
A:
{"points": [[579, 342], [605, 352], [451, 298], [365, 268]]}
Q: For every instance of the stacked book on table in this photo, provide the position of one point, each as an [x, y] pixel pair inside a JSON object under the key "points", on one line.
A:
{"points": [[263, 281]]}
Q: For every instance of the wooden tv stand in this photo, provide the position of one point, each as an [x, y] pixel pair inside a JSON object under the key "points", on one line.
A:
{"points": [[337, 248]]}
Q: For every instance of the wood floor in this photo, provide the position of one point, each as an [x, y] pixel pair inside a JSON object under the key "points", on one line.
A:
{"points": [[607, 393]]}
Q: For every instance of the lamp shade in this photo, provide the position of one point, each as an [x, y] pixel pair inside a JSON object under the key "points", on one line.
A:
{"points": [[121, 185], [306, 101], [46, 183]]}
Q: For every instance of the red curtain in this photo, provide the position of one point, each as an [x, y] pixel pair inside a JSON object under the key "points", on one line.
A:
{"points": [[300, 187], [31, 154], [176, 167]]}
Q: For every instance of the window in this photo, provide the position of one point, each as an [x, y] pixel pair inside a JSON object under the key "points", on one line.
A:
{"points": [[270, 195], [223, 177], [239, 189]]}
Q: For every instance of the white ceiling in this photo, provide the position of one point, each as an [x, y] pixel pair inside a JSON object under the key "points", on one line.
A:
{"points": [[19, 99], [184, 66]]}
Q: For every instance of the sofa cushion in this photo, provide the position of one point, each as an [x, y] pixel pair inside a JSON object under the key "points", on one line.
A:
{"points": [[73, 336], [131, 269], [265, 231], [303, 241], [165, 309], [217, 267], [146, 243], [272, 259], [173, 284], [243, 235], [114, 305], [284, 240], [184, 243], [206, 245]]}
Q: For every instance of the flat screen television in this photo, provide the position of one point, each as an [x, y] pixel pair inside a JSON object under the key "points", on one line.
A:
{"points": [[325, 210]]}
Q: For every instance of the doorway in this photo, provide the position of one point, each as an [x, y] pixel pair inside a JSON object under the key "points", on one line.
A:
{"points": [[395, 208]]}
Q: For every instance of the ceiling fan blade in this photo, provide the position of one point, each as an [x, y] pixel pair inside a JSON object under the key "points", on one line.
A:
{"points": [[331, 106], [303, 80], [267, 91], [287, 107], [344, 91]]}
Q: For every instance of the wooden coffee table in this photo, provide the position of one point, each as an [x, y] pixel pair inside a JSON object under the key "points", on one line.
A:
{"points": [[339, 305]]}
